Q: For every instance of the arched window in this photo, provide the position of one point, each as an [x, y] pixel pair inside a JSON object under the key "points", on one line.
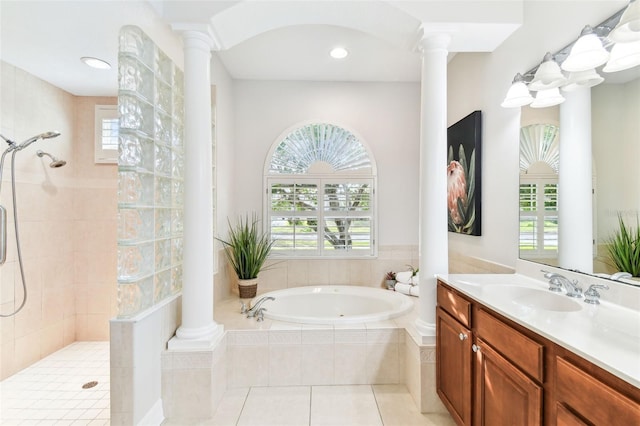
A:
{"points": [[320, 185]]}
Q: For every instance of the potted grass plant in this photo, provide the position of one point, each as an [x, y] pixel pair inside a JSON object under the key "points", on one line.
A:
{"points": [[624, 248], [246, 249]]}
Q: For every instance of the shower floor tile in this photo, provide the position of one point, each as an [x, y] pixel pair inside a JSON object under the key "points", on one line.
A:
{"points": [[51, 390]]}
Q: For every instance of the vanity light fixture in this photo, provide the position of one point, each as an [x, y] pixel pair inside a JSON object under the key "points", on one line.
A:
{"points": [[586, 53], [518, 94], [339, 53], [547, 98], [580, 58], [96, 63], [628, 29], [548, 75], [623, 56], [582, 79]]}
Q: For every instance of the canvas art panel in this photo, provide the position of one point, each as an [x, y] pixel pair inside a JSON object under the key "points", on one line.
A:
{"points": [[464, 174]]}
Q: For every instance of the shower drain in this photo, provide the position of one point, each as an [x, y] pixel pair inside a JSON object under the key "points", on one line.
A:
{"points": [[89, 385]]}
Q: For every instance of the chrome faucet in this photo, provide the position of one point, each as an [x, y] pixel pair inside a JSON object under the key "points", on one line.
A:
{"points": [[256, 308], [557, 281], [618, 275], [592, 296]]}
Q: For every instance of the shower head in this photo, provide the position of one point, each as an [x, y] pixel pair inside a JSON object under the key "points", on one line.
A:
{"points": [[55, 163], [45, 135]]}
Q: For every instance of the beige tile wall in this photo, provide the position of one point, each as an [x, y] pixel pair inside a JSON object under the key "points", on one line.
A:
{"points": [[321, 356], [280, 274], [67, 224]]}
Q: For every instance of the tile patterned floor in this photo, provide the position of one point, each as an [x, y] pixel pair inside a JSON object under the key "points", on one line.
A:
{"points": [[359, 405], [50, 391]]}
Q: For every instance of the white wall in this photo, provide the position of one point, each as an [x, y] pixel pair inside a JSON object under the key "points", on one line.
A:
{"points": [[480, 81], [225, 139], [385, 115], [616, 149]]}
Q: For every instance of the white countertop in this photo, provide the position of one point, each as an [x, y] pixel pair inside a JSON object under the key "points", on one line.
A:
{"points": [[606, 334]]}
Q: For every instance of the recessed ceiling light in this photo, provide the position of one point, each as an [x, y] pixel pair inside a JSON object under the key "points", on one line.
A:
{"points": [[339, 53], [96, 63]]}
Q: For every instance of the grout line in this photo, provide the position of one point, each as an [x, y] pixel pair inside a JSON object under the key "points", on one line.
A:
{"points": [[244, 403], [375, 398], [310, 402]]}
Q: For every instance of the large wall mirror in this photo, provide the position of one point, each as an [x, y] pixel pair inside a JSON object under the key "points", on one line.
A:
{"points": [[615, 130]]}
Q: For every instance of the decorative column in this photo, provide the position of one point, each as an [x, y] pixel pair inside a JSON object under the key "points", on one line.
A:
{"points": [[198, 329], [434, 243], [575, 182]]}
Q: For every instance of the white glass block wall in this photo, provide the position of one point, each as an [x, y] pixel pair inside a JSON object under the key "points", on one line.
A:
{"points": [[150, 174]]}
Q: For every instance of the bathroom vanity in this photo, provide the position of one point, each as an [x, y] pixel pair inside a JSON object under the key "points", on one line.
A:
{"points": [[509, 351]]}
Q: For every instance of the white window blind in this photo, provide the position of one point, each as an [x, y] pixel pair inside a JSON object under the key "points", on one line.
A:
{"points": [[538, 217], [107, 126], [322, 216]]}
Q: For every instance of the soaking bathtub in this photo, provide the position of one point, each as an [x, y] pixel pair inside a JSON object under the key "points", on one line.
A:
{"points": [[335, 304]]}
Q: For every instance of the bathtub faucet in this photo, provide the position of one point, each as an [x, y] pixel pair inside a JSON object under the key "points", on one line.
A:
{"points": [[253, 311]]}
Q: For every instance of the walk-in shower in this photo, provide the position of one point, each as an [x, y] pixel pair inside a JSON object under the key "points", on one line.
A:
{"points": [[13, 149]]}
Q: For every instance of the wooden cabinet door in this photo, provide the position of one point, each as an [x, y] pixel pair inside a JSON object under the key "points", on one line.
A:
{"points": [[503, 394], [453, 367]]}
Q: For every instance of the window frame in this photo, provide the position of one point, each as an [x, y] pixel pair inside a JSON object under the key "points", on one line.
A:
{"points": [[102, 155]]}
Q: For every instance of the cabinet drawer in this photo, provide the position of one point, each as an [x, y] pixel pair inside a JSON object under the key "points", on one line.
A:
{"points": [[592, 399], [455, 305], [522, 351]]}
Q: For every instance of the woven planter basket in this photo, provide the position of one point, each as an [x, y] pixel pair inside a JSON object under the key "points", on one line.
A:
{"points": [[248, 288]]}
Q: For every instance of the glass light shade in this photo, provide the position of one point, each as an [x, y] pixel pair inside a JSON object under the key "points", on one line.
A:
{"points": [[582, 79], [339, 53], [518, 94], [548, 75], [623, 56], [586, 53], [628, 29], [96, 63], [547, 98]]}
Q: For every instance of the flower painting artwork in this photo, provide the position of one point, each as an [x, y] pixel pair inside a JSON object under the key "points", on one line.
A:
{"points": [[463, 175]]}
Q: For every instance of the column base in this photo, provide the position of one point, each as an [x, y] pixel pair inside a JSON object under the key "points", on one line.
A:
{"points": [[426, 331], [196, 339]]}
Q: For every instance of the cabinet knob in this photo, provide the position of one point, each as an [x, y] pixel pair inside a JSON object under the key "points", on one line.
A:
{"points": [[463, 336], [475, 348]]}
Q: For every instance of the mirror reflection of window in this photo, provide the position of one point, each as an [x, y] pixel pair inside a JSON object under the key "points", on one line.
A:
{"points": [[539, 157]]}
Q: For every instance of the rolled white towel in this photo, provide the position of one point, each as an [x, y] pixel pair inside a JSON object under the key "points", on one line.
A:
{"points": [[403, 288], [404, 277], [415, 280], [408, 289], [414, 291]]}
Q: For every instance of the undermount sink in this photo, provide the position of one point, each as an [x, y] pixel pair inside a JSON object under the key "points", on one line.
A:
{"points": [[532, 298]]}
